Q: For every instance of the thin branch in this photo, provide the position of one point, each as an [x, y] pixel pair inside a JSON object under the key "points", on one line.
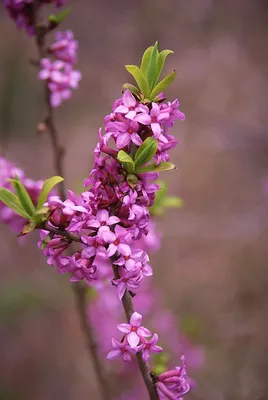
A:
{"points": [[68, 235], [78, 288], [144, 367]]}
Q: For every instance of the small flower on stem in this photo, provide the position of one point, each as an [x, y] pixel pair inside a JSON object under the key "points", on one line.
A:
{"points": [[134, 331], [149, 346], [121, 349]]}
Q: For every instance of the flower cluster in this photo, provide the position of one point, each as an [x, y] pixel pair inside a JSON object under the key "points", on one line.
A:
{"points": [[112, 214], [22, 12], [111, 217], [59, 74], [134, 341], [9, 171]]}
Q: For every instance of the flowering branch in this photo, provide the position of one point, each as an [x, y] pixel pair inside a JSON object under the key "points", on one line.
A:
{"points": [[111, 216], [145, 370]]}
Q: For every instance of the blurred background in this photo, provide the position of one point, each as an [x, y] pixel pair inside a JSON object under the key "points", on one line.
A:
{"points": [[212, 268]]}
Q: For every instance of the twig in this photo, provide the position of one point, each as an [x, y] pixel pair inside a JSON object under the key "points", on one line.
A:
{"points": [[144, 367], [78, 288], [68, 235]]}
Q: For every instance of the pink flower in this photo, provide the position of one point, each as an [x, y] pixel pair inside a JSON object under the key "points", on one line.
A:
{"points": [[129, 105], [61, 79], [148, 346], [134, 331], [117, 240], [65, 47], [130, 280], [102, 218], [120, 349], [155, 118]]}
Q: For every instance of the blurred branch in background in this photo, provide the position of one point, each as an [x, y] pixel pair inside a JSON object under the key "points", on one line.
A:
{"points": [[11, 73]]}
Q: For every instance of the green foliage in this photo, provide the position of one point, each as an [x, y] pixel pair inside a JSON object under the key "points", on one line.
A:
{"points": [[163, 84], [21, 202], [163, 166], [148, 74], [160, 363], [140, 78], [145, 152], [57, 19], [126, 161], [23, 196], [12, 201], [163, 201], [47, 187]]}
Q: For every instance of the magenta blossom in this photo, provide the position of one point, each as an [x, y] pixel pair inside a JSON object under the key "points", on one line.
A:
{"points": [[149, 346], [130, 280], [154, 119], [120, 349], [134, 331], [65, 47], [129, 106]]}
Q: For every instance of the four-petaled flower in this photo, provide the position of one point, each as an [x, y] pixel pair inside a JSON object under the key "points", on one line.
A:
{"points": [[120, 349], [148, 346], [134, 331]]}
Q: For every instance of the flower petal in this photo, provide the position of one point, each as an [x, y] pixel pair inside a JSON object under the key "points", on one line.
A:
{"points": [[121, 288], [125, 328], [126, 356], [144, 331], [114, 354], [129, 99], [156, 128], [88, 252], [133, 339], [123, 140], [135, 319], [143, 118]]}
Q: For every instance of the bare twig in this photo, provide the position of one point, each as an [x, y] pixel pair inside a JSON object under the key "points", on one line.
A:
{"points": [[144, 367], [78, 288]]}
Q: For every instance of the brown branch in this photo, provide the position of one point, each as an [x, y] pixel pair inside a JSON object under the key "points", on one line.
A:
{"points": [[68, 235], [78, 288], [144, 367]]}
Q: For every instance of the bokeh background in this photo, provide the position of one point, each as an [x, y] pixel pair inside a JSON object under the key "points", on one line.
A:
{"points": [[212, 267]]}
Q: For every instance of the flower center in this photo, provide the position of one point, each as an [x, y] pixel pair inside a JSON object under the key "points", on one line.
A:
{"points": [[153, 119], [116, 242], [130, 130], [134, 329]]}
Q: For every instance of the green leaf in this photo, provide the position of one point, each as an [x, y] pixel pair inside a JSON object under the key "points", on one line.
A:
{"points": [[151, 72], [132, 180], [23, 196], [140, 78], [162, 85], [145, 152], [126, 161], [27, 228], [47, 186], [132, 88], [163, 166], [160, 63], [146, 59], [57, 19], [40, 215], [11, 200], [173, 202]]}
